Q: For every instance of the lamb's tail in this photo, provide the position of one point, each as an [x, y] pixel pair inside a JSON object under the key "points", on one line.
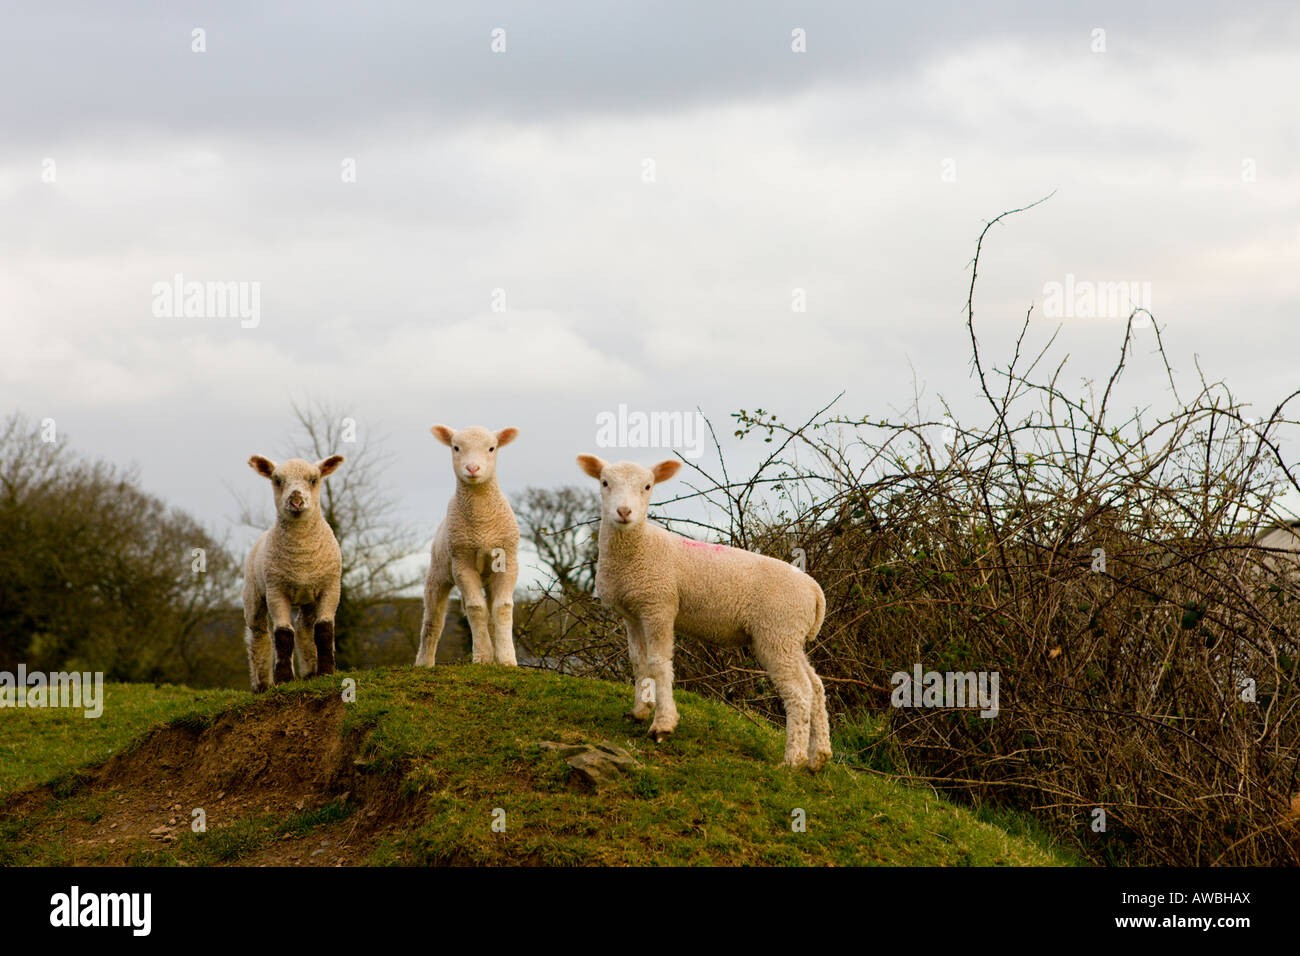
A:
{"points": [[821, 613]]}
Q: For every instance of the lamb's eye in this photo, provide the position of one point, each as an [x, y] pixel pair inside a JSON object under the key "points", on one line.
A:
{"points": [[455, 448], [315, 480], [605, 484], [278, 480], [491, 449], [647, 487]]}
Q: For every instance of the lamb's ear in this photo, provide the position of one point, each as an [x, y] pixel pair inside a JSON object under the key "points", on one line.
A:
{"points": [[263, 466], [443, 434], [592, 465], [666, 469], [327, 466], [506, 436]]}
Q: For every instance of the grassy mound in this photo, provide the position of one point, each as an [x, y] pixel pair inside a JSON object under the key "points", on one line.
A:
{"points": [[446, 767]]}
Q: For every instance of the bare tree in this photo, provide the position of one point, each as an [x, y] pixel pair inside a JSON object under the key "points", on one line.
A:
{"points": [[560, 525]]}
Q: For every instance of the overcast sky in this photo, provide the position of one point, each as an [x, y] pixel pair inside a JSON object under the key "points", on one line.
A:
{"points": [[644, 186]]}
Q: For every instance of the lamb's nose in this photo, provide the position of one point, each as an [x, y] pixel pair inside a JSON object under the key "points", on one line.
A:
{"points": [[624, 512], [472, 469]]}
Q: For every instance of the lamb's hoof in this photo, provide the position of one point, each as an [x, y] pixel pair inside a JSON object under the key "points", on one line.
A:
{"points": [[660, 734], [794, 761], [259, 688], [818, 760], [638, 717]]}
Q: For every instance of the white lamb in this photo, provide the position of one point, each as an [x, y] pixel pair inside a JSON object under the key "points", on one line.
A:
{"points": [[477, 542], [657, 580], [296, 564]]}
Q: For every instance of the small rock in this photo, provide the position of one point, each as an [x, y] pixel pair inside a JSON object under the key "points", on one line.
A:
{"points": [[563, 749], [617, 755], [597, 764]]}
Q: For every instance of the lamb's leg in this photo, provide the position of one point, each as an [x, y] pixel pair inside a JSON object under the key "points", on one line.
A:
{"points": [[258, 640], [327, 605], [819, 740], [643, 694], [783, 659], [474, 604], [659, 668], [323, 635], [436, 592], [501, 604], [305, 641], [282, 620]]}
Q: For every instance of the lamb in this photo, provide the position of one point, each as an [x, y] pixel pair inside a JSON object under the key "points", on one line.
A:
{"points": [[657, 580], [296, 564], [477, 542]]}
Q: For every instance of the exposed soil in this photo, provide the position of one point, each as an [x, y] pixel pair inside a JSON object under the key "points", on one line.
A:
{"points": [[282, 758]]}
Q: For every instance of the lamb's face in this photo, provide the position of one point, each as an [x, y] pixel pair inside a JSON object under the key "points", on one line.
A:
{"points": [[625, 488], [474, 451], [295, 483]]}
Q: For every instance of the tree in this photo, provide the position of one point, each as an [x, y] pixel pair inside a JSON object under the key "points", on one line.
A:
{"points": [[97, 574], [560, 524]]}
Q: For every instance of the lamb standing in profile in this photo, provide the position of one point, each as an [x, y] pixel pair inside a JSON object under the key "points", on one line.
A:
{"points": [[296, 564], [478, 541], [657, 580]]}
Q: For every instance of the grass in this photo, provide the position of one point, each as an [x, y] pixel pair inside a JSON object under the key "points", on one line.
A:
{"points": [[456, 750]]}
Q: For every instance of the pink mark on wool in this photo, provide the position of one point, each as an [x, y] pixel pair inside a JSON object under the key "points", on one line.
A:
{"points": [[703, 544]]}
